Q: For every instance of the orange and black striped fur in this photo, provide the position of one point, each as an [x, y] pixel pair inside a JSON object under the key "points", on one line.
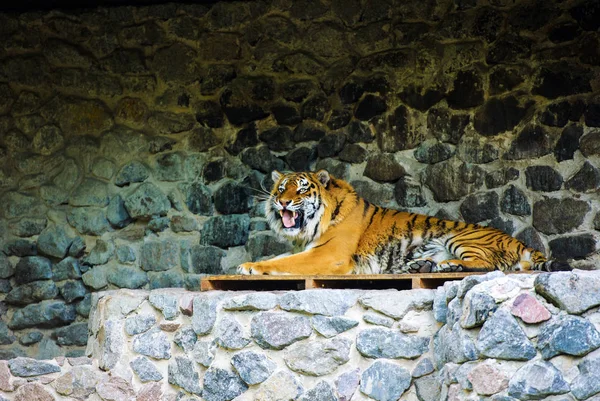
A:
{"points": [[341, 233]]}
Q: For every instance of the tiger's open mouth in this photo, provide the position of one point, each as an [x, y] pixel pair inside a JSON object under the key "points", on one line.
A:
{"points": [[291, 218]]}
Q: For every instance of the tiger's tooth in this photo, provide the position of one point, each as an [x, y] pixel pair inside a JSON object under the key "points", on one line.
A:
{"points": [[281, 213], [295, 214]]}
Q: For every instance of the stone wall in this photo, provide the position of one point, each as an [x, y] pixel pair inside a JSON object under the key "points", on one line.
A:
{"points": [[133, 140], [505, 338]]}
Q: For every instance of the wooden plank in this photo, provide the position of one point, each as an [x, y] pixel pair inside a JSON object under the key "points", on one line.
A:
{"points": [[359, 281]]}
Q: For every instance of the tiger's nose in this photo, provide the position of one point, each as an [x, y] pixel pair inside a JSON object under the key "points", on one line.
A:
{"points": [[285, 203]]}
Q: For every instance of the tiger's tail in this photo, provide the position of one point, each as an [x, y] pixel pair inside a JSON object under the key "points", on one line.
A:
{"points": [[550, 265]]}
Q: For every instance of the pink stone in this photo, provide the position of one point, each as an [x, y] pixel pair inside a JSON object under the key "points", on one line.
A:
{"points": [[529, 309], [33, 392], [5, 383], [116, 389], [487, 379], [186, 304], [149, 392], [169, 326]]}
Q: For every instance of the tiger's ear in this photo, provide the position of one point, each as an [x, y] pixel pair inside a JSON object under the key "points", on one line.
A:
{"points": [[275, 175], [323, 176]]}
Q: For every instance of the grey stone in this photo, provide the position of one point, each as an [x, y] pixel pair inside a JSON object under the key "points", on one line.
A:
{"points": [[587, 179], [222, 385], [204, 352], [74, 334], [440, 305], [384, 381], [32, 268], [159, 255], [378, 320], [282, 385], [452, 180], [168, 167], [205, 313], [91, 192], [145, 369], [47, 313], [33, 337], [477, 307], [186, 338], [28, 227], [72, 290], [6, 336], [32, 292], [537, 380], [566, 334], [396, 304], [166, 303], [77, 247], [168, 279], [184, 224], [6, 267], [147, 200], [127, 277], [455, 308], [202, 259], [116, 213], [182, 374], [515, 202], [153, 343], [467, 283], [113, 345], [20, 247], [384, 167], [197, 198], [501, 337], [318, 357], [138, 324], [96, 277], [226, 230], [230, 334], [587, 382], [253, 301], [253, 367], [431, 151], [332, 326], [158, 224], [321, 392], [101, 253], [54, 241], [424, 367], [84, 306], [28, 367], [260, 245], [88, 220], [479, 207], [428, 388], [380, 342], [575, 292], [319, 302], [453, 344], [68, 268], [347, 383], [125, 254], [276, 330], [5, 286], [558, 216]]}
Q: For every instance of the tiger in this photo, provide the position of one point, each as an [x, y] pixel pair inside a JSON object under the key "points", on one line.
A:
{"points": [[337, 232]]}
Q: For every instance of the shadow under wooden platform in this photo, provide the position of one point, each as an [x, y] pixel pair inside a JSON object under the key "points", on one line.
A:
{"points": [[358, 281]]}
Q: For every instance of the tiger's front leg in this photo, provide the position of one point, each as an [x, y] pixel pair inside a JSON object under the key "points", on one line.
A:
{"points": [[310, 262]]}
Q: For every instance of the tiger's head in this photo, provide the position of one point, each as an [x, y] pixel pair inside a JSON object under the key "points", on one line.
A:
{"points": [[296, 204]]}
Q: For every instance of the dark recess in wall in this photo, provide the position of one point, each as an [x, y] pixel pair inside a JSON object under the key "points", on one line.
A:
{"points": [[33, 5]]}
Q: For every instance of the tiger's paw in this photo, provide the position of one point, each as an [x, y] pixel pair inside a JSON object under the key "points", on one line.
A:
{"points": [[420, 266], [447, 267], [250, 268]]}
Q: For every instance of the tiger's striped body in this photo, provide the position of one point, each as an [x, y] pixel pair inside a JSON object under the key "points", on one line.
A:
{"points": [[341, 233]]}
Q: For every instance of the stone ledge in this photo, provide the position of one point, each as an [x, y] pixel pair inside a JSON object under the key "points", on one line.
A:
{"points": [[487, 335]]}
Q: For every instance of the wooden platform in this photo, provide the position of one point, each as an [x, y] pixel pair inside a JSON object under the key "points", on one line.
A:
{"points": [[361, 281]]}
